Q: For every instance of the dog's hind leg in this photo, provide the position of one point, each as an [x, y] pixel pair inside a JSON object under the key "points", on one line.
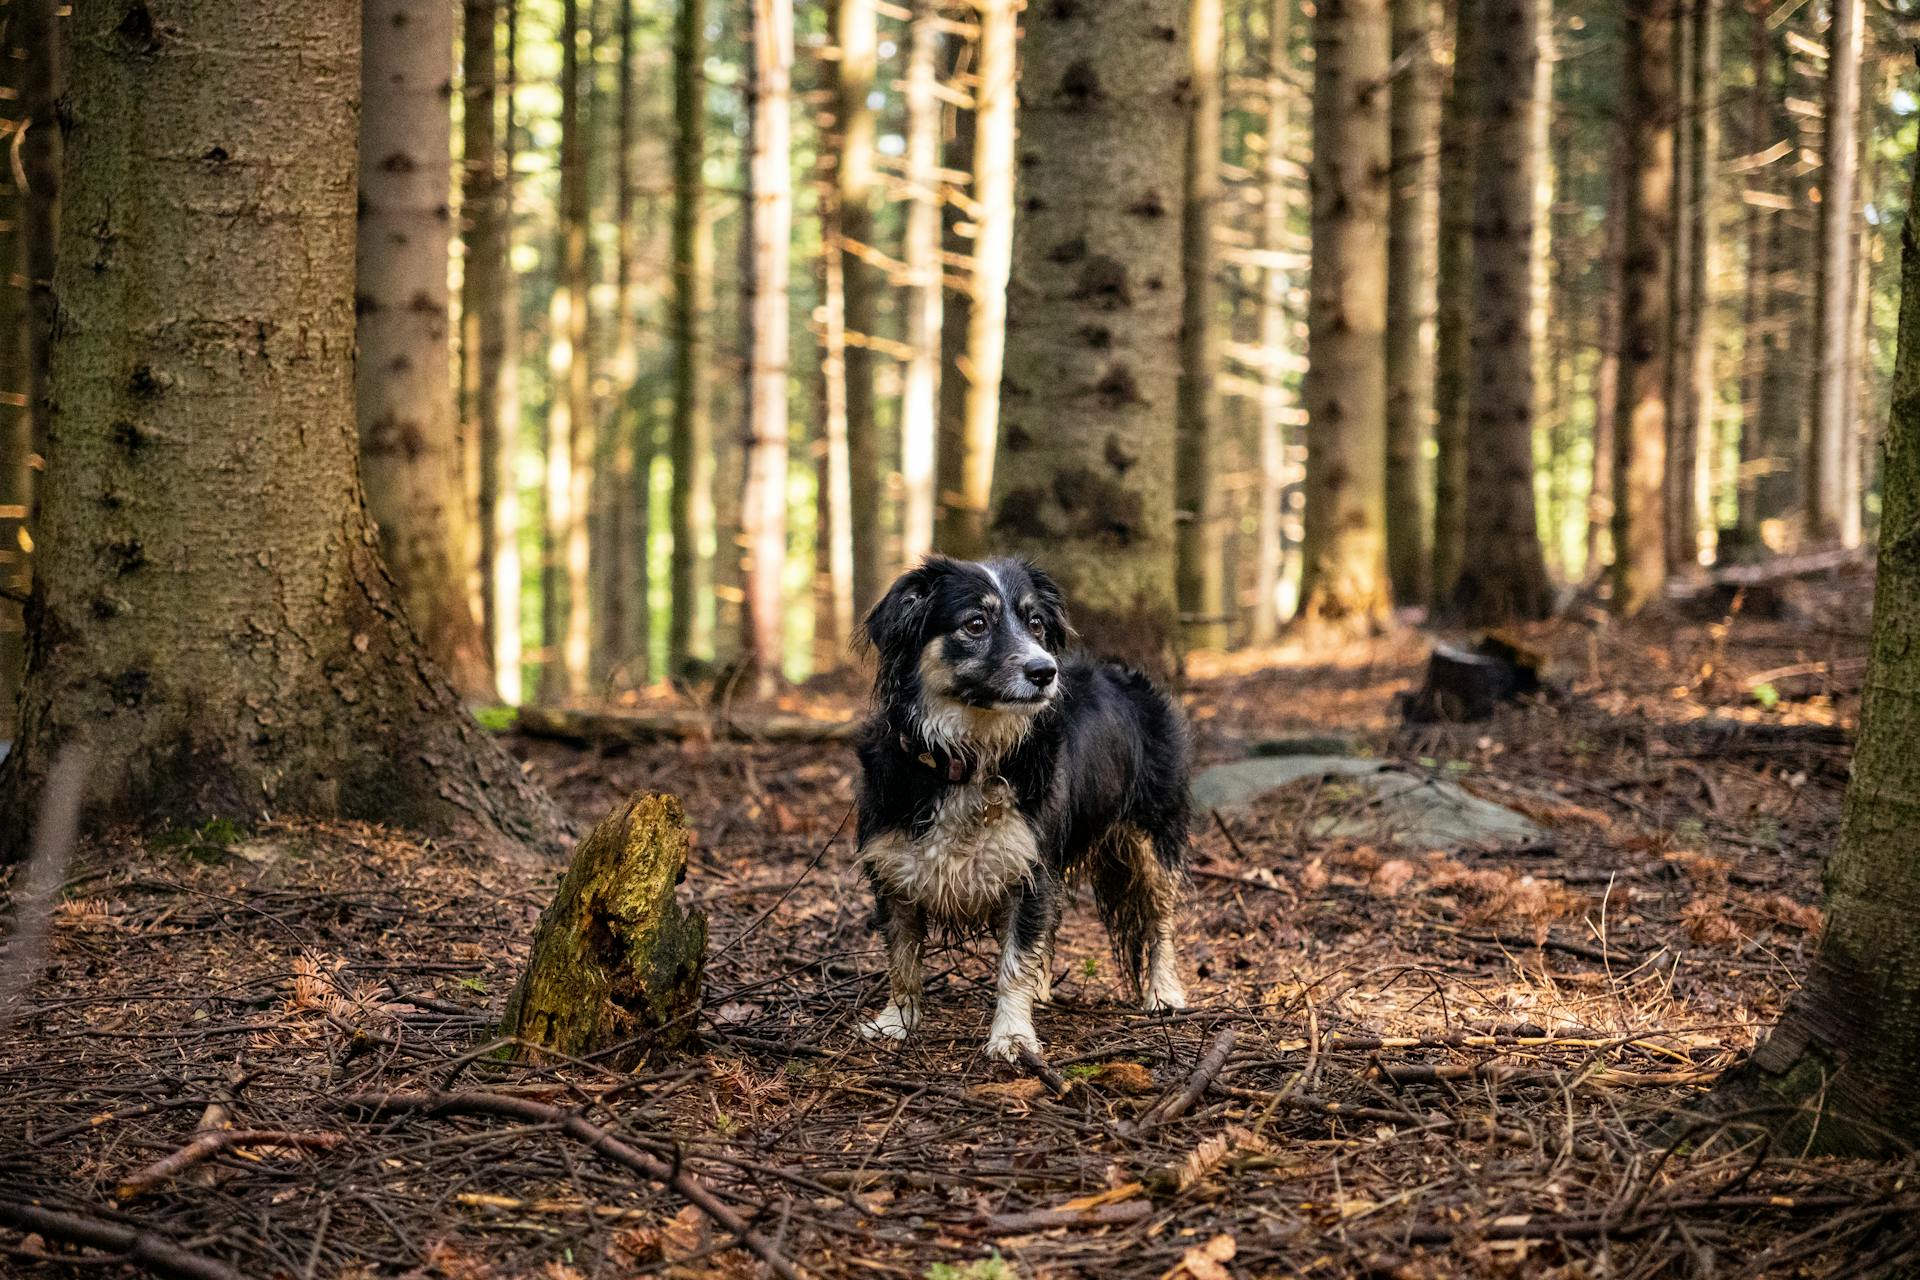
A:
{"points": [[906, 930], [1031, 921], [1139, 898]]}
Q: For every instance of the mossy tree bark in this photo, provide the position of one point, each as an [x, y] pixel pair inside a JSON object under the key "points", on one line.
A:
{"points": [[1454, 265], [1344, 576], [409, 430], [1085, 479], [616, 964], [1640, 417], [1846, 1055], [1413, 226], [690, 442], [214, 618], [1201, 544], [1504, 574]]}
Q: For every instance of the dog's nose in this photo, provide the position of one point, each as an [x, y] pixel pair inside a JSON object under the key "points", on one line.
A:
{"points": [[1041, 672]]}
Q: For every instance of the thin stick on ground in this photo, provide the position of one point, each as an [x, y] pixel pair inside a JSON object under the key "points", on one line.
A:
{"points": [[132, 1244]]}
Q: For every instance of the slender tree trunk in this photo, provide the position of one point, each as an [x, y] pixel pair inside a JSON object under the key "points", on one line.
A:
{"points": [[621, 551], [1829, 515], [833, 606], [1682, 532], [39, 27], [957, 208], [1504, 575], [1640, 420], [969, 489], [1606, 374], [158, 551], [1413, 222], [1276, 327], [1344, 578], [490, 374], [690, 630], [1702, 176], [1200, 545], [16, 419], [920, 395], [582, 445], [409, 432], [1757, 307], [1845, 1057], [1086, 481], [765, 508], [854, 30], [1454, 264]]}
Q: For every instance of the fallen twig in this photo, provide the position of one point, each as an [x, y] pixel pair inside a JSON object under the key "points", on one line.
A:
{"points": [[1177, 1105], [596, 1139], [205, 1145], [155, 1252], [1105, 1215], [1038, 1067]]}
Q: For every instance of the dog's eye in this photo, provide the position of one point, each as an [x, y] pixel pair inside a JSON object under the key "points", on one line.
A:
{"points": [[975, 626], [1036, 625]]}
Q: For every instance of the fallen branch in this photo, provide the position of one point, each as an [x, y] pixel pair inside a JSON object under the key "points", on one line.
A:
{"points": [[156, 1253], [1204, 1071], [207, 1144], [595, 1139], [1037, 1066], [673, 724], [1106, 1215]]}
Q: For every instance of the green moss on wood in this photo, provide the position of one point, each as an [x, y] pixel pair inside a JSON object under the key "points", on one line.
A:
{"points": [[616, 961]]}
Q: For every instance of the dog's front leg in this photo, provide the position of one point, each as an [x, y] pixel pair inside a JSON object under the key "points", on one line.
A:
{"points": [[1031, 918], [906, 930]]}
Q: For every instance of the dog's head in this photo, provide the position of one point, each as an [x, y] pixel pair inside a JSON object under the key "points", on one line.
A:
{"points": [[974, 647]]}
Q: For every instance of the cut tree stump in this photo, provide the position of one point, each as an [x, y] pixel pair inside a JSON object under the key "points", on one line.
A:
{"points": [[616, 963], [1466, 685]]}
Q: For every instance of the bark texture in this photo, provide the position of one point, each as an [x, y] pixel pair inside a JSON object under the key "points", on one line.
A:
{"points": [[856, 187], [1640, 419], [1085, 480], [1201, 545], [42, 34], [690, 443], [1703, 172], [1846, 1055], [925, 305], [616, 963], [1413, 224], [573, 431], [1831, 509], [765, 506], [1276, 327], [1344, 577], [214, 618], [1453, 267], [1504, 574], [409, 432]]}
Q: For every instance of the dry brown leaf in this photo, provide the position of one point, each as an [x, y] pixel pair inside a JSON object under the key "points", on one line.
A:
{"points": [[1025, 1090], [1124, 1077], [1709, 925], [1392, 877], [685, 1236]]}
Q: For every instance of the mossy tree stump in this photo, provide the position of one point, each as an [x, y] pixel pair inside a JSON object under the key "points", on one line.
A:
{"points": [[616, 961]]}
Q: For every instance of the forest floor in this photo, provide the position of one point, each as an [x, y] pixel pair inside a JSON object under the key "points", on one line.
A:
{"points": [[1423, 1062]]}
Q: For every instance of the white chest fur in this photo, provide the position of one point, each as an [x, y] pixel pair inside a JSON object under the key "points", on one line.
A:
{"points": [[960, 869]]}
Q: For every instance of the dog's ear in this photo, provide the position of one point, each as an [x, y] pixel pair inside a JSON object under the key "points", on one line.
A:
{"points": [[893, 624], [1056, 630]]}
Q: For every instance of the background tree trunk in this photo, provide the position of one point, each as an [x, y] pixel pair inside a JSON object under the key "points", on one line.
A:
{"points": [[621, 567], [575, 385], [765, 506], [409, 432], [1200, 544], [16, 417], [968, 490], [855, 187], [1606, 374], [1757, 306], [1454, 264], [1640, 420], [1683, 445], [1086, 481], [1276, 326], [42, 35], [1413, 223], [1829, 514], [1504, 575], [690, 629], [159, 555], [1702, 176], [1846, 1054], [833, 571], [925, 303], [1344, 578]]}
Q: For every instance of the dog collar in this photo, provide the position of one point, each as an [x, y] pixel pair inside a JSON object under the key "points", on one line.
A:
{"points": [[955, 769]]}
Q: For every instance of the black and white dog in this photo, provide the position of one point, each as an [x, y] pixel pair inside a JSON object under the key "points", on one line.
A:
{"points": [[994, 764]]}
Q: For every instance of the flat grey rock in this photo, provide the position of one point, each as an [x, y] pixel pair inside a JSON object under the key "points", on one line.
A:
{"points": [[1392, 804]]}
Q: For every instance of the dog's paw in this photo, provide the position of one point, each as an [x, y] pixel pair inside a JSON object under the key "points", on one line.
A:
{"points": [[1043, 986], [1164, 994], [895, 1022], [1005, 1043]]}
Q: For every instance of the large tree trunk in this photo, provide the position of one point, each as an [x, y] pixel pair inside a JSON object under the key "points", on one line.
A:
{"points": [[771, 187], [409, 433], [1829, 512], [489, 370], [1846, 1055], [925, 303], [854, 30], [1344, 577], [16, 422], [1454, 265], [1085, 484], [690, 445], [1504, 575], [226, 640], [1200, 545], [1640, 419], [1413, 222], [1276, 327], [967, 488]]}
